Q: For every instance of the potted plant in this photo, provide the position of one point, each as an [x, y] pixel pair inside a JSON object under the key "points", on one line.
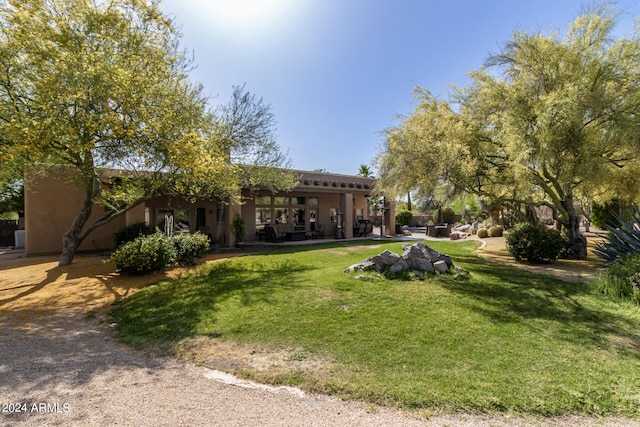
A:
{"points": [[239, 229]]}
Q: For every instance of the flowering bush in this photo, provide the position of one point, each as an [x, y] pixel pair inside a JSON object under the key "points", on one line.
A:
{"points": [[190, 247], [144, 254], [535, 243]]}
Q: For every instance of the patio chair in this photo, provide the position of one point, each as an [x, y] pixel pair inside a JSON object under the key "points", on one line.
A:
{"points": [[272, 236], [368, 229]]}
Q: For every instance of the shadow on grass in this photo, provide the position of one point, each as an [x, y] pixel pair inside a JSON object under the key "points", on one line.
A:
{"points": [[506, 294], [186, 307]]}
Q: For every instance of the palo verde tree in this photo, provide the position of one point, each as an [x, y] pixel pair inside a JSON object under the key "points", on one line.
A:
{"points": [[547, 121], [248, 127], [93, 84]]}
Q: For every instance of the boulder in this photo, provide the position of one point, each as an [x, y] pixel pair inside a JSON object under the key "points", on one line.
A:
{"points": [[387, 258], [365, 265], [441, 266], [417, 258], [399, 266]]}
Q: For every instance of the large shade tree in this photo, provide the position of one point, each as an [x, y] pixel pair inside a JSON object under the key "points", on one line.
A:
{"points": [[547, 121], [93, 84]]}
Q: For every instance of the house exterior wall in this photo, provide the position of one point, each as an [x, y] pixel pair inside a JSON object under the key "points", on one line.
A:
{"points": [[52, 201], [328, 197]]}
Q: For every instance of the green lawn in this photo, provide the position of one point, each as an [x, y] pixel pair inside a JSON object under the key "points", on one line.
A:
{"points": [[502, 340]]}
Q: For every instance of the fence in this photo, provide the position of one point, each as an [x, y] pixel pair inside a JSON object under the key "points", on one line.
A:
{"points": [[7, 232]]}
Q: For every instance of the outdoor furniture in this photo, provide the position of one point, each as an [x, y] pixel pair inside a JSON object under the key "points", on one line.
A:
{"points": [[443, 230], [272, 235], [368, 229], [296, 235], [318, 233]]}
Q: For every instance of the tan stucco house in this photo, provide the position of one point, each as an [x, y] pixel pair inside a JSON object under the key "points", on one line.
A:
{"points": [[326, 201]]}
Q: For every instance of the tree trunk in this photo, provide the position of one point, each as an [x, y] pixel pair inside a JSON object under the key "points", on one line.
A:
{"points": [[73, 237], [577, 248]]}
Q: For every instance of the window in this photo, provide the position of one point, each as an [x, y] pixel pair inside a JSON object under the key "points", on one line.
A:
{"points": [[263, 200], [282, 215], [201, 217], [297, 200], [281, 201], [313, 201], [263, 217], [220, 215], [333, 215], [299, 220], [179, 218], [312, 219], [359, 214]]}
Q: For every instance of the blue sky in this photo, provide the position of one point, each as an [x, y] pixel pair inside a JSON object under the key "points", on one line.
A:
{"points": [[338, 72]]}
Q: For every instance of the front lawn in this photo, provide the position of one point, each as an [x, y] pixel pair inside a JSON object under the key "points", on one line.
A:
{"points": [[502, 340]]}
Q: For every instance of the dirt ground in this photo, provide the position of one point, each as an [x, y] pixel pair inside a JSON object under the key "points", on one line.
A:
{"points": [[35, 285], [494, 249], [57, 347]]}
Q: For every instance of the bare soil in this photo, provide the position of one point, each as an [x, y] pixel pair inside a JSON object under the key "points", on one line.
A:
{"points": [[58, 348]]}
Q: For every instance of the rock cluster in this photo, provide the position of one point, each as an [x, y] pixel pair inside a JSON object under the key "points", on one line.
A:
{"points": [[417, 258]]}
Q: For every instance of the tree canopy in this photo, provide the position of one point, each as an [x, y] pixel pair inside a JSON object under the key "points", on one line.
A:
{"points": [[545, 121], [104, 84]]}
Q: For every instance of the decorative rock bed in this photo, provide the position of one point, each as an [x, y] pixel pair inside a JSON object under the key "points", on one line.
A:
{"points": [[417, 258]]}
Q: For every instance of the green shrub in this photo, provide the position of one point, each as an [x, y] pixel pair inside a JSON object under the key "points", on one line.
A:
{"points": [[495, 231], [239, 228], [535, 243], [190, 247], [448, 215], [482, 233], [403, 217], [144, 254], [621, 280], [622, 240], [130, 232], [605, 214]]}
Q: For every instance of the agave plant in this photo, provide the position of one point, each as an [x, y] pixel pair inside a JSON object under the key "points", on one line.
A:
{"points": [[623, 240]]}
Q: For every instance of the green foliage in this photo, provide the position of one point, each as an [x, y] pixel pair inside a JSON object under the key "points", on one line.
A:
{"points": [[482, 233], [448, 215], [623, 240], [190, 247], [505, 341], [12, 197], [131, 232], [93, 85], [539, 87], [495, 231], [145, 254], [605, 214], [365, 171], [621, 280], [403, 217], [536, 244], [239, 228]]}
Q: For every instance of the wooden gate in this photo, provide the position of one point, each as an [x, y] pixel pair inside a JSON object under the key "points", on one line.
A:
{"points": [[7, 229]]}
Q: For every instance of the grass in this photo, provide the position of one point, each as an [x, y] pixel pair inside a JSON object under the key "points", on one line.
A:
{"points": [[502, 340]]}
